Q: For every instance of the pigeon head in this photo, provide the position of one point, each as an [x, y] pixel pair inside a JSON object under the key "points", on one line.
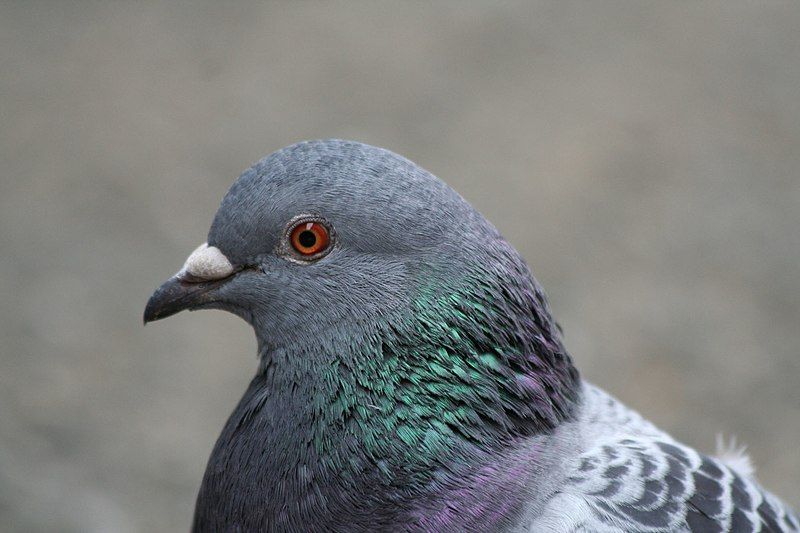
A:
{"points": [[324, 234], [380, 293]]}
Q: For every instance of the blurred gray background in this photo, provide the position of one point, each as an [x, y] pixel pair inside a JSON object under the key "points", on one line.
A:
{"points": [[643, 157]]}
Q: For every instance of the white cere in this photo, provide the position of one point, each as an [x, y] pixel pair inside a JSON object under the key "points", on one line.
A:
{"points": [[207, 263]]}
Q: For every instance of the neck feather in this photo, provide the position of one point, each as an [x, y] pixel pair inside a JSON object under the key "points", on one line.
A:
{"points": [[379, 412]]}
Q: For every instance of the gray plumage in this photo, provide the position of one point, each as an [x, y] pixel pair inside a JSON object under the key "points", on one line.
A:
{"points": [[627, 475], [411, 376]]}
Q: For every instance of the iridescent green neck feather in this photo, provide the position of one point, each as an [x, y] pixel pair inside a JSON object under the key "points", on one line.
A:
{"points": [[417, 352], [375, 411]]}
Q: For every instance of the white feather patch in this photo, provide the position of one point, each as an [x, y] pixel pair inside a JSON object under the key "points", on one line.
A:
{"points": [[207, 263], [735, 456]]}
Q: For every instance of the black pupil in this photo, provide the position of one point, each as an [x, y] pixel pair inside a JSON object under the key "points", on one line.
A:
{"points": [[307, 239]]}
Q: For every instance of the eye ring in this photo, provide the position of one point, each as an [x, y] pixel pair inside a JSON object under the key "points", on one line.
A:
{"points": [[308, 238]]}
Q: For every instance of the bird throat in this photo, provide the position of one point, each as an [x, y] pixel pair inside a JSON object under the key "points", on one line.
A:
{"points": [[364, 426]]}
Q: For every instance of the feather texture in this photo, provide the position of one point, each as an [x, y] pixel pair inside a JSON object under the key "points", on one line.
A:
{"points": [[412, 378], [634, 477]]}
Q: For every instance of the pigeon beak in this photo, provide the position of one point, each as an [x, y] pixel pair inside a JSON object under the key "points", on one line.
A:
{"points": [[178, 294], [205, 270]]}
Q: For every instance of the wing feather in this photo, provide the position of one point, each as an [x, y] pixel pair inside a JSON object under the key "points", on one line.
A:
{"points": [[649, 484]]}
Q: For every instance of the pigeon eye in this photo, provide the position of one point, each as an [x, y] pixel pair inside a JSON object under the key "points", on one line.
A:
{"points": [[309, 238]]}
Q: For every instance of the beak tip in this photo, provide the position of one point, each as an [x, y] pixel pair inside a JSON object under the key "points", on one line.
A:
{"points": [[176, 295], [150, 311], [165, 301]]}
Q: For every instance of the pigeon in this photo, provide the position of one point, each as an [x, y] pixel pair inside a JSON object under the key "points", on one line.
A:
{"points": [[411, 377]]}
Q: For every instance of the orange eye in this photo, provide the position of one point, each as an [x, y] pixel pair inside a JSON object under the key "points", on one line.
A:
{"points": [[309, 238]]}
